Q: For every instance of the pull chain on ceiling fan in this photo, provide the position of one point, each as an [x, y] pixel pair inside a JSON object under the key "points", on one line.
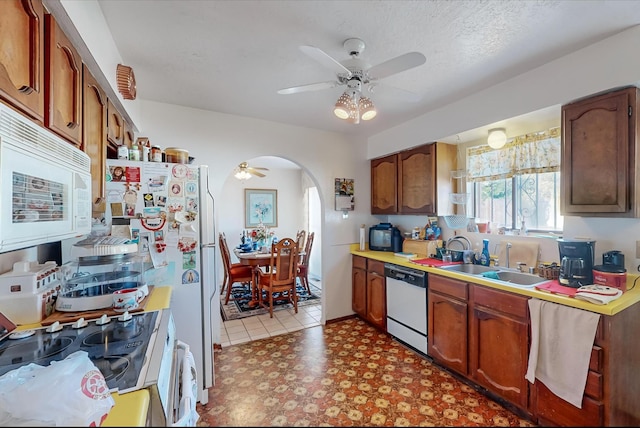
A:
{"points": [[356, 74], [244, 171]]}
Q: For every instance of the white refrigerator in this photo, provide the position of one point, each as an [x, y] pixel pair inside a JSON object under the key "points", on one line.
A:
{"points": [[168, 209]]}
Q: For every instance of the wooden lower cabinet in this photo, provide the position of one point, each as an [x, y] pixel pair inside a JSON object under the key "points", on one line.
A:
{"points": [[499, 343], [369, 298], [613, 382], [484, 334], [447, 319]]}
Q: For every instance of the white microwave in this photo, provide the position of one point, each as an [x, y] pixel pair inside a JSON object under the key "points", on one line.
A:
{"points": [[45, 185]]}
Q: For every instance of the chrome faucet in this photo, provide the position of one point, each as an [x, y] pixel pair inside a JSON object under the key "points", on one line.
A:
{"points": [[507, 249]]}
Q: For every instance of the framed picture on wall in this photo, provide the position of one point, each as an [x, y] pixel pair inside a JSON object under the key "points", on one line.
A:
{"points": [[260, 206]]}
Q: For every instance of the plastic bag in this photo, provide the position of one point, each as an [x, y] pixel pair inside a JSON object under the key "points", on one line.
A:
{"points": [[69, 392]]}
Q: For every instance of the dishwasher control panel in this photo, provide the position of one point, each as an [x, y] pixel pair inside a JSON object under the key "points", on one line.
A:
{"points": [[412, 276]]}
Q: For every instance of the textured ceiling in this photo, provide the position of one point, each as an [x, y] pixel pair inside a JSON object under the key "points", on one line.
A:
{"points": [[233, 56]]}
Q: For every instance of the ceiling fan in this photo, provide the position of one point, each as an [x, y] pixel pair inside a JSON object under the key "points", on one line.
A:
{"points": [[357, 75], [244, 172]]}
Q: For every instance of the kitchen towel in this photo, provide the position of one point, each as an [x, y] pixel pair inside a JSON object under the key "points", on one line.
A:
{"points": [[561, 342]]}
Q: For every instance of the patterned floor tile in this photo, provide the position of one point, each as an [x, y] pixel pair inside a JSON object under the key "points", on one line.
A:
{"points": [[342, 374]]}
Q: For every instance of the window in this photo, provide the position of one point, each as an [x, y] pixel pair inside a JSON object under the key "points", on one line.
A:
{"points": [[518, 182]]}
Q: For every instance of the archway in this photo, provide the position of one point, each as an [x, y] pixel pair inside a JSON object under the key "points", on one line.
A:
{"points": [[299, 206]]}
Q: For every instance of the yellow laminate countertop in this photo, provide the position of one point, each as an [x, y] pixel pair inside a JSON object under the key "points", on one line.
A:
{"points": [[628, 298]]}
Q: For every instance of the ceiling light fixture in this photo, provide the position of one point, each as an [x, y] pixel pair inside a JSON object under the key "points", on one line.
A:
{"points": [[497, 138], [352, 106], [241, 173]]}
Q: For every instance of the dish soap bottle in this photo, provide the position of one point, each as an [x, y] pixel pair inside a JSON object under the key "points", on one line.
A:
{"points": [[484, 256]]}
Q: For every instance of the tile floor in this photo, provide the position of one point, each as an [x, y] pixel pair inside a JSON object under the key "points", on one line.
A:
{"points": [[244, 330], [345, 373]]}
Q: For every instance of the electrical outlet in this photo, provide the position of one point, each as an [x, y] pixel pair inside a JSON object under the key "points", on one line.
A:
{"points": [[637, 249]]}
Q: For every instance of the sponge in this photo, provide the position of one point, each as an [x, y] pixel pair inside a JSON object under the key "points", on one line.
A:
{"points": [[491, 275]]}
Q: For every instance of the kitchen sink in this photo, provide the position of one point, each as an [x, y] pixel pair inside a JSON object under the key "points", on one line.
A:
{"points": [[470, 268], [500, 275], [520, 278]]}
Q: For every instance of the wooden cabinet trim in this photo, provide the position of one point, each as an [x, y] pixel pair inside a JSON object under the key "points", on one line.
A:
{"points": [[448, 286], [502, 301], [359, 262]]}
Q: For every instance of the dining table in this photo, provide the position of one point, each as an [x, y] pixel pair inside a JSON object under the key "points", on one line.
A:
{"points": [[256, 259]]}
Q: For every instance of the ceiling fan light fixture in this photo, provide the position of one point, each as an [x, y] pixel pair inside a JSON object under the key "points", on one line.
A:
{"points": [[241, 173], [342, 107], [497, 138], [367, 109]]}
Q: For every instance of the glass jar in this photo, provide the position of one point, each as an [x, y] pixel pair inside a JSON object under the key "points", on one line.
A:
{"points": [[156, 154]]}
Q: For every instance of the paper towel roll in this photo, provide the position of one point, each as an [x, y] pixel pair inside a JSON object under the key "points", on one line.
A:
{"points": [[362, 230]]}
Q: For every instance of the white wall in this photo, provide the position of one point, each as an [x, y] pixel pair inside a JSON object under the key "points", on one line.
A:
{"points": [[223, 141], [598, 67], [290, 208]]}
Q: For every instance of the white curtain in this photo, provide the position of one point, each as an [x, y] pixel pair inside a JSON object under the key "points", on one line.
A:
{"points": [[526, 154]]}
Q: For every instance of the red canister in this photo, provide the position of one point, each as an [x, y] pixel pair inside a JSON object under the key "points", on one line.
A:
{"points": [[611, 276]]}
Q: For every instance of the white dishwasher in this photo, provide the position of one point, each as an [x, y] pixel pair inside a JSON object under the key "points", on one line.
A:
{"points": [[407, 305]]}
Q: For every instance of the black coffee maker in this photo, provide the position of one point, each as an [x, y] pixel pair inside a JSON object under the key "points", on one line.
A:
{"points": [[576, 262]]}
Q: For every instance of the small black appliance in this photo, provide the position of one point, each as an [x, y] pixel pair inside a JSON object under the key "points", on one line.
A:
{"points": [[576, 262], [613, 258], [385, 237]]}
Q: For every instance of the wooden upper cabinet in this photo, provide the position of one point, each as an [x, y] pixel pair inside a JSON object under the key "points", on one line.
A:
{"points": [[63, 91], [115, 125], [128, 135], [384, 185], [22, 56], [94, 138], [417, 180], [414, 181], [599, 155]]}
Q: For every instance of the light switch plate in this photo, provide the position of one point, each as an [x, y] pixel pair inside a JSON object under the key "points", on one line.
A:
{"points": [[637, 249]]}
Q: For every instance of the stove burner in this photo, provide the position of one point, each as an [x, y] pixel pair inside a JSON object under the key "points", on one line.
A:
{"points": [[33, 351], [113, 335], [112, 368], [118, 349]]}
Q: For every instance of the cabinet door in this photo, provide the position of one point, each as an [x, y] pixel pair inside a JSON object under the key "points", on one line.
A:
{"points": [[596, 151], [22, 56], [498, 343], [383, 185], [115, 125], [94, 139], [447, 326], [127, 135], [63, 91], [359, 292], [377, 299], [417, 180]]}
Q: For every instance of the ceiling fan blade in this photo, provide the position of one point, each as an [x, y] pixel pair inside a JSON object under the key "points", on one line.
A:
{"points": [[396, 65], [384, 89], [256, 173], [310, 87], [325, 59], [259, 167]]}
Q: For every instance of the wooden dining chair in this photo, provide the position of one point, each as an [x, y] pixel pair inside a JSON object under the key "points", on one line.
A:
{"points": [[300, 237], [233, 272], [303, 267], [281, 275]]}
